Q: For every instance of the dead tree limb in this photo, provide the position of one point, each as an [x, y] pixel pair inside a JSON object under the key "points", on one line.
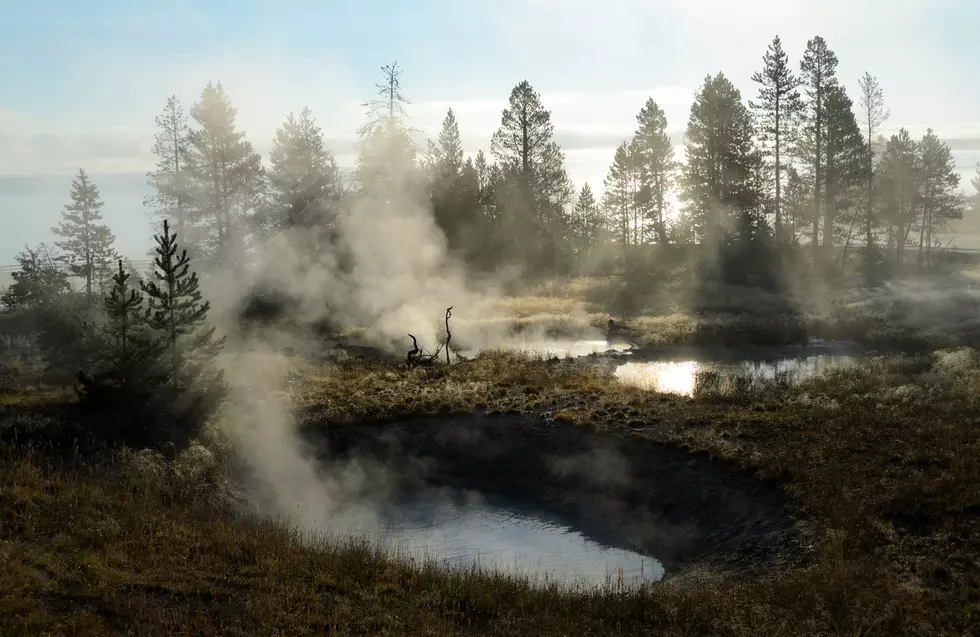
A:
{"points": [[449, 334], [418, 356]]}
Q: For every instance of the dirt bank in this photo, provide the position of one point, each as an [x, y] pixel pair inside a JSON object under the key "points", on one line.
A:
{"points": [[622, 490]]}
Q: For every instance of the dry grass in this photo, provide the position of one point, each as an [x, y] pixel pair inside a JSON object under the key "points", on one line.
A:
{"points": [[85, 555], [883, 459]]}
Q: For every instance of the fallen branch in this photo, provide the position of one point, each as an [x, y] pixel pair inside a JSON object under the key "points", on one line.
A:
{"points": [[418, 356], [449, 335]]}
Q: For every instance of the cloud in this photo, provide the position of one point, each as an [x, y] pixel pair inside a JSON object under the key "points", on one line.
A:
{"points": [[594, 67]]}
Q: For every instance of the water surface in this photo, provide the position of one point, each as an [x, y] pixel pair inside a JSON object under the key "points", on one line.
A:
{"points": [[684, 377], [463, 530], [563, 348]]}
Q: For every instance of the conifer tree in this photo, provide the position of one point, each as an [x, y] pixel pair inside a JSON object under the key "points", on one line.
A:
{"points": [[873, 115], [657, 169], [589, 222], [721, 161], [387, 162], [126, 359], [86, 242], [941, 200], [179, 315], [778, 107], [303, 181], [40, 279], [170, 198], [621, 195], [900, 190], [455, 188], [537, 186], [845, 164], [721, 181], [225, 174], [819, 74], [488, 181]]}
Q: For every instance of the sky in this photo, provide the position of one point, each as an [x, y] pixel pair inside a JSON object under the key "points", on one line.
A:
{"points": [[80, 83]]}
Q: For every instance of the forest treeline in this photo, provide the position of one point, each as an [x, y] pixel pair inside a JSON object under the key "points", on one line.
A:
{"points": [[800, 169]]}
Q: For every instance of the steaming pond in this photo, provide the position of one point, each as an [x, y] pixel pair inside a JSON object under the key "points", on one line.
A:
{"points": [[463, 530], [684, 377]]}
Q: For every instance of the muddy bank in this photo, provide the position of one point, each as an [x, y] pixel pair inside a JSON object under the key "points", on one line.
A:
{"points": [[621, 490]]}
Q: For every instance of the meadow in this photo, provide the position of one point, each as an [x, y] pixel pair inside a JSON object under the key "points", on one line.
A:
{"points": [[878, 462]]}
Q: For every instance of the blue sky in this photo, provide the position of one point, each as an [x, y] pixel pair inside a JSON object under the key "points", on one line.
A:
{"points": [[80, 82]]}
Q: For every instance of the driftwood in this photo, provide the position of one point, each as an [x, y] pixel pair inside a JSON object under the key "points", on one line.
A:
{"points": [[449, 335], [419, 356]]}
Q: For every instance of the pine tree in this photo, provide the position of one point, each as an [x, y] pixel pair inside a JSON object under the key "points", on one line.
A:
{"points": [[657, 168], [127, 370], [40, 279], [455, 197], [819, 74], [621, 192], [538, 188], [588, 221], [845, 164], [387, 164], [87, 243], [777, 110], [171, 198], [939, 193], [900, 190], [489, 180], [179, 315], [303, 181], [721, 161], [873, 115], [797, 202], [390, 103], [225, 174]]}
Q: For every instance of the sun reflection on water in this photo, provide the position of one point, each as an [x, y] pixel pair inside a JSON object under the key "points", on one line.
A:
{"points": [[684, 377]]}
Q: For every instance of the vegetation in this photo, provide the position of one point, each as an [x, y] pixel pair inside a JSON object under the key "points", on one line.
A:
{"points": [[121, 426], [879, 457]]}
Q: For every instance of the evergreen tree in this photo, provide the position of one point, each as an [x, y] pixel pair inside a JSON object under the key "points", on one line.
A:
{"points": [[126, 363], [777, 110], [389, 104], [655, 160], [303, 183], [489, 185], [797, 202], [621, 195], [721, 182], [939, 193], [819, 74], [873, 115], [900, 190], [589, 222], [170, 198], [178, 313], [225, 174], [721, 161], [455, 189], [387, 162], [845, 164], [537, 187], [87, 243], [41, 278]]}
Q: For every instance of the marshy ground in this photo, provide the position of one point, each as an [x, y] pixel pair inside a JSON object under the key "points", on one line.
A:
{"points": [[845, 503]]}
